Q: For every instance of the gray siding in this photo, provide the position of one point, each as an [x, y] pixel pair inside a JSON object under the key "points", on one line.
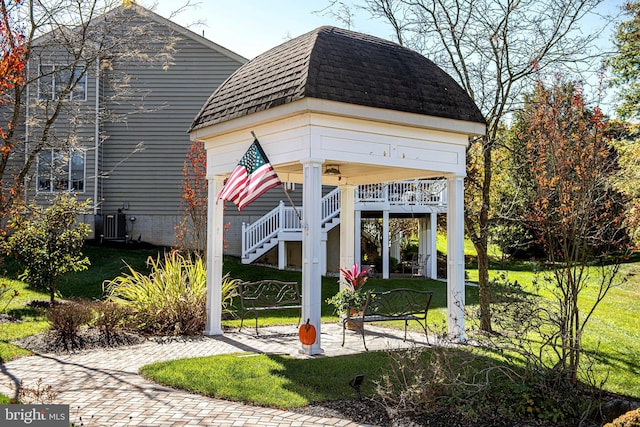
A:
{"points": [[142, 133], [149, 179]]}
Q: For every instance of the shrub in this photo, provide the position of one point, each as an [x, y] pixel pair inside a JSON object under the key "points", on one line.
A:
{"points": [[171, 299], [47, 241], [66, 319], [413, 382], [630, 419], [111, 320], [423, 380]]}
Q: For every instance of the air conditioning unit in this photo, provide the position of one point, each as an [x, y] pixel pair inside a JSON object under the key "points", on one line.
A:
{"points": [[114, 226]]}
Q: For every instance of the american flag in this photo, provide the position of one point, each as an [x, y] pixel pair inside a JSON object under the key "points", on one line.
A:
{"points": [[253, 176]]}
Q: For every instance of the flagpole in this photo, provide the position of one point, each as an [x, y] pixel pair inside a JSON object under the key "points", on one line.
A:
{"points": [[292, 204], [284, 190]]}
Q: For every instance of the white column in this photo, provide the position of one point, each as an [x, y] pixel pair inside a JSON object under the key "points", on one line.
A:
{"points": [[432, 262], [215, 236], [455, 257], [347, 227], [282, 254], [311, 249], [385, 244], [357, 236], [323, 257], [423, 244], [394, 249]]}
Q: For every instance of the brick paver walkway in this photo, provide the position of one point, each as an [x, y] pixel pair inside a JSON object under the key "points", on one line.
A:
{"points": [[104, 388]]}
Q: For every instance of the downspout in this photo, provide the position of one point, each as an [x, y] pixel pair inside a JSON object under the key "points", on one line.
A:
{"points": [[96, 140]]}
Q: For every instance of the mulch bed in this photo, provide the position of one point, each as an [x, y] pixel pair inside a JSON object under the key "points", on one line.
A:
{"points": [[373, 412], [89, 338]]}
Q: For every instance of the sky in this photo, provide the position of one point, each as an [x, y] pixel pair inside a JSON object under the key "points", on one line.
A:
{"points": [[251, 27]]}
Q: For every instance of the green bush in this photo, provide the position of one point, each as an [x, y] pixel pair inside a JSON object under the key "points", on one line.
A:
{"points": [[47, 241], [66, 319], [171, 299], [630, 419]]}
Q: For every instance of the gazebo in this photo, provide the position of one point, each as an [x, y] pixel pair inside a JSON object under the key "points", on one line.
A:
{"points": [[374, 110]]}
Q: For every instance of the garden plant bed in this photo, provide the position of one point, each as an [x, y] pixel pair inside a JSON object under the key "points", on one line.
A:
{"points": [[47, 342], [372, 412]]}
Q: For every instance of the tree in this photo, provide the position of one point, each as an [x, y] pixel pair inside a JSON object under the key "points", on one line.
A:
{"points": [[626, 63], [495, 50], [13, 54], [576, 214], [627, 179], [48, 241], [191, 233]]}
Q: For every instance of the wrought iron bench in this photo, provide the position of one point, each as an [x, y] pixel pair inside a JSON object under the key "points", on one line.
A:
{"points": [[263, 295], [396, 304]]}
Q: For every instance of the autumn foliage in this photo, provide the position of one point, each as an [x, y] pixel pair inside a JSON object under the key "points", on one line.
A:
{"points": [[570, 165], [13, 54], [191, 232], [573, 209], [12, 63]]}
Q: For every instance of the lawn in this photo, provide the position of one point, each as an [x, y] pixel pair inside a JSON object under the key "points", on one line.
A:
{"points": [[614, 329], [270, 380]]}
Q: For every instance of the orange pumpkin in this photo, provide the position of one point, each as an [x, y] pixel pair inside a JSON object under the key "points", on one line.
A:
{"points": [[307, 333]]}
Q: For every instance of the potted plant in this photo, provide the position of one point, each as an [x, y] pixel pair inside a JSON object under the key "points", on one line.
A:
{"points": [[350, 298]]}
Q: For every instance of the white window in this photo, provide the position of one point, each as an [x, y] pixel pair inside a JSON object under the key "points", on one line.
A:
{"points": [[54, 79], [61, 171]]}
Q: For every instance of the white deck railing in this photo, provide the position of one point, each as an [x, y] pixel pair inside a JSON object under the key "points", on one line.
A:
{"points": [[416, 192], [284, 218]]}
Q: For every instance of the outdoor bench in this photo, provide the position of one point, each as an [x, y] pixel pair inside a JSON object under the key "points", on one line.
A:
{"points": [[263, 295], [396, 304]]}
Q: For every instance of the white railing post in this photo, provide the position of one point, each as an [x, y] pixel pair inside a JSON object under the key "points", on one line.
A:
{"points": [[244, 240]]}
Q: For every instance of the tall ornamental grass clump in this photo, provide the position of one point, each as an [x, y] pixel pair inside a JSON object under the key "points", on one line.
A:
{"points": [[171, 299]]}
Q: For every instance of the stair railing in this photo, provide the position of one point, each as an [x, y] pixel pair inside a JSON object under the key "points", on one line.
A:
{"points": [[284, 218]]}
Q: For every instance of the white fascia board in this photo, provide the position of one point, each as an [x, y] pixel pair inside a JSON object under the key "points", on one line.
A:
{"points": [[339, 109]]}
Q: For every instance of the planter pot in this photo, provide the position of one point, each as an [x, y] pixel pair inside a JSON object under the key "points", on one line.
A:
{"points": [[355, 325]]}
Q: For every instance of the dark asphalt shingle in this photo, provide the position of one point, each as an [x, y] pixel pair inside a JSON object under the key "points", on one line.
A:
{"points": [[339, 65]]}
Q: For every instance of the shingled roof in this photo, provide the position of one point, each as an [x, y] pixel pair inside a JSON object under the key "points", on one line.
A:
{"points": [[339, 65]]}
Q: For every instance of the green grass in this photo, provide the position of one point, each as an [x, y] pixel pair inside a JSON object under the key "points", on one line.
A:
{"points": [[612, 336], [106, 263], [31, 321], [270, 380], [614, 330]]}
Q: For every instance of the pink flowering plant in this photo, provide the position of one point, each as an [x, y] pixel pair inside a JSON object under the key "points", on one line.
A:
{"points": [[351, 295]]}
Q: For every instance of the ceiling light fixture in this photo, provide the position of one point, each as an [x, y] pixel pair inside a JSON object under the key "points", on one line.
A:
{"points": [[332, 170]]}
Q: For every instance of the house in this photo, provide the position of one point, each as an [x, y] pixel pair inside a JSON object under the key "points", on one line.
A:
{"points": [[120, 136]]}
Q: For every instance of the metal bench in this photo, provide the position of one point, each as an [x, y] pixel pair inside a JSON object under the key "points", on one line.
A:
{"points": [[396, 304], [263, 295]]}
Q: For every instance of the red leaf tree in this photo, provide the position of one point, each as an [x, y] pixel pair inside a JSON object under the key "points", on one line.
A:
{"points": [[191, 233], [13, 58], [576, 214]]}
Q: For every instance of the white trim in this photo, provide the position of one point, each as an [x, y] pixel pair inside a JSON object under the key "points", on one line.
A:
{"points": [[342, 109]]}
